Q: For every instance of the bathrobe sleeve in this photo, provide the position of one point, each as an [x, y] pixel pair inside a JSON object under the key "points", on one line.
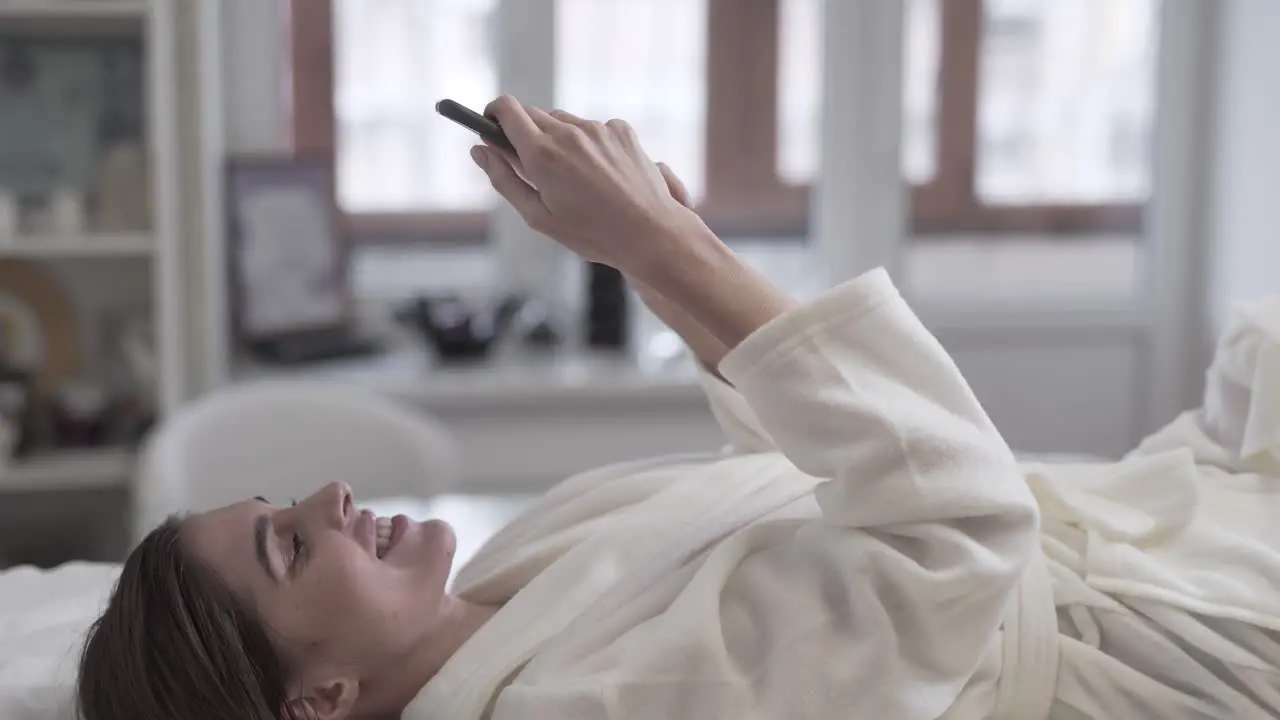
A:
{"points": [[926, 522], [735, 416], [880, 596]]}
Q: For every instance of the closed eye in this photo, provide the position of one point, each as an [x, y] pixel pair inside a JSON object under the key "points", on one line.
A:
{"points": [[298, 547], [297, 551]]}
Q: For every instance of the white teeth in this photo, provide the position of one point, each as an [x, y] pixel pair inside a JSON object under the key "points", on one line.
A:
{"points": [[384, 535]]}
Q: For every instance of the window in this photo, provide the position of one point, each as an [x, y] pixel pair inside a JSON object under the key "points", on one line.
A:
{"points": [[393, 61], [365, 78], [1058, 125], [800, 89], [644, 61], [1009, 125], [1019, 116]]}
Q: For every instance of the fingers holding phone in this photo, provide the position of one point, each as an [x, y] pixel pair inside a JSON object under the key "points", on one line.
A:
{"points": [[597, 192], [516, 121]]}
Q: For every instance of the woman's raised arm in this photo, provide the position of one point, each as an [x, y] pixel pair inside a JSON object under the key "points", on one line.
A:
{"points": [[885, 602]]}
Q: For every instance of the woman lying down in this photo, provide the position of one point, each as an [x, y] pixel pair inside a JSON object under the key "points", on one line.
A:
{"points": [[870, 551]]}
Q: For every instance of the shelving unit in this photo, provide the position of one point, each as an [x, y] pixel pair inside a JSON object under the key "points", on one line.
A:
{"points": [[88, 247], [89, 469], [91, 10], [162, 247]]}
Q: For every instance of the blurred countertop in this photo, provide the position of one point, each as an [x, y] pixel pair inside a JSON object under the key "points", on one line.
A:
{"points": [[511, 378]]}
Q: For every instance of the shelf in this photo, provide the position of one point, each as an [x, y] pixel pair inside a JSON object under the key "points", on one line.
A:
{"points": [[73, 9], [62, 470], [91, 246]]}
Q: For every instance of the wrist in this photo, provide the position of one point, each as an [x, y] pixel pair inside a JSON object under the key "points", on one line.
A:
{"points": [[636, 286], [720, 292], [688, 253]]}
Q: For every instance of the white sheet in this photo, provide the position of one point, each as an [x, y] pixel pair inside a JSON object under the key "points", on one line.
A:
{"points": [[43, 618]]}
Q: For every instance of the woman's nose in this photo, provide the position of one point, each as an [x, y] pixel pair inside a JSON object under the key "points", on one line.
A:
{"points": [[337, 501]]}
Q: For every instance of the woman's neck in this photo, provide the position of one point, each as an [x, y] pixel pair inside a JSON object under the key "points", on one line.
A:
{"points": [[460, 620]]}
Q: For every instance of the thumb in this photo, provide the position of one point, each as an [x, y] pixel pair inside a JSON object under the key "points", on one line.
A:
{"points": [[511, 186], [675, 186]]}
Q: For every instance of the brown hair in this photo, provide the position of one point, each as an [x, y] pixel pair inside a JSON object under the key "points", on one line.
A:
{"points": [[176, 643]]}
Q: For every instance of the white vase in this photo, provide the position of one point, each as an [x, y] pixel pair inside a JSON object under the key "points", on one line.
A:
{"points": [[66, 213]]}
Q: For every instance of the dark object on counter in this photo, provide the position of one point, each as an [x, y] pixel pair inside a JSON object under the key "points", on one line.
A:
{"points": [[80, 416], [536, 327], [542, 335], [314, 346], [606, 308], [454, 331], [129, 419]]}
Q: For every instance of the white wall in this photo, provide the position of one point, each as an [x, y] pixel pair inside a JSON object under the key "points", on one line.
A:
{"points": [[1245, 227]]}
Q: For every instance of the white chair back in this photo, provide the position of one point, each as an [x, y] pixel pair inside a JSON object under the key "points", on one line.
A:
{"points": [[283, 439]]}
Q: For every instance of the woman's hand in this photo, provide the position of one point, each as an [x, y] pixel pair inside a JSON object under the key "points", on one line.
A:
{"points": [[589, 186]]}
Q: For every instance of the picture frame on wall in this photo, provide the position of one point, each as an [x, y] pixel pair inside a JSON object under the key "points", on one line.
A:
{"points": [[288, 254]]}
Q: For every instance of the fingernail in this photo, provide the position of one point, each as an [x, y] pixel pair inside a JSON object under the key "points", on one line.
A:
{"points": [[480, 157]]}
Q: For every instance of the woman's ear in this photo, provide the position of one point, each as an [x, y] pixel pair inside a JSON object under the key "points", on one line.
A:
{"points": [[333, 699]]}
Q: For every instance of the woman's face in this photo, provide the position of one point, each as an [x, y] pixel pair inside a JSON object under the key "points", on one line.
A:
{"points": [[342, 616]]}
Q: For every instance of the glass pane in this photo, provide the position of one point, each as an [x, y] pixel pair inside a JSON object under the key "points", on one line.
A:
{"points": [[643, 61], [800, 89], [393, 60], [1067, 96], [1066, 99], [922, 47]]}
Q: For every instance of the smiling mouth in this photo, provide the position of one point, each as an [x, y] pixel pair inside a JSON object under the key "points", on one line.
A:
{"points": [[383, 540]]}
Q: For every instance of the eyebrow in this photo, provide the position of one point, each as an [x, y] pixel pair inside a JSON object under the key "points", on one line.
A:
{"points": [[261, 530]]}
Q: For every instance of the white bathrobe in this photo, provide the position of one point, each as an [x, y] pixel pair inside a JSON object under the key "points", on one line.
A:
{"points": [[859, 570], [1166, 565], [870, 549]]}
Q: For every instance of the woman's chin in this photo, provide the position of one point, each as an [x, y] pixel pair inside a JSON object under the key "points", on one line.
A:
{"points": [[426, 549], [439, 536]]}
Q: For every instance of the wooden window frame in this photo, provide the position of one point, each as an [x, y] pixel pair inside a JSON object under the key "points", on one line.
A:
{"points": [[745, 195], [314, 130]]}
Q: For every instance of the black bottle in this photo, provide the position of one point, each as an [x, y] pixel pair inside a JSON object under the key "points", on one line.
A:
{"points": [[607, 317]]}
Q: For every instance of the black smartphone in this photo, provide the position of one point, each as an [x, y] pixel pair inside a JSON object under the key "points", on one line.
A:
{"points": [[487, 128]]}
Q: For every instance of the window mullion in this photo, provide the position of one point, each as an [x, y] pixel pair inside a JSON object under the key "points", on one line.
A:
{"points": [[859, 206], [528, 263]]}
